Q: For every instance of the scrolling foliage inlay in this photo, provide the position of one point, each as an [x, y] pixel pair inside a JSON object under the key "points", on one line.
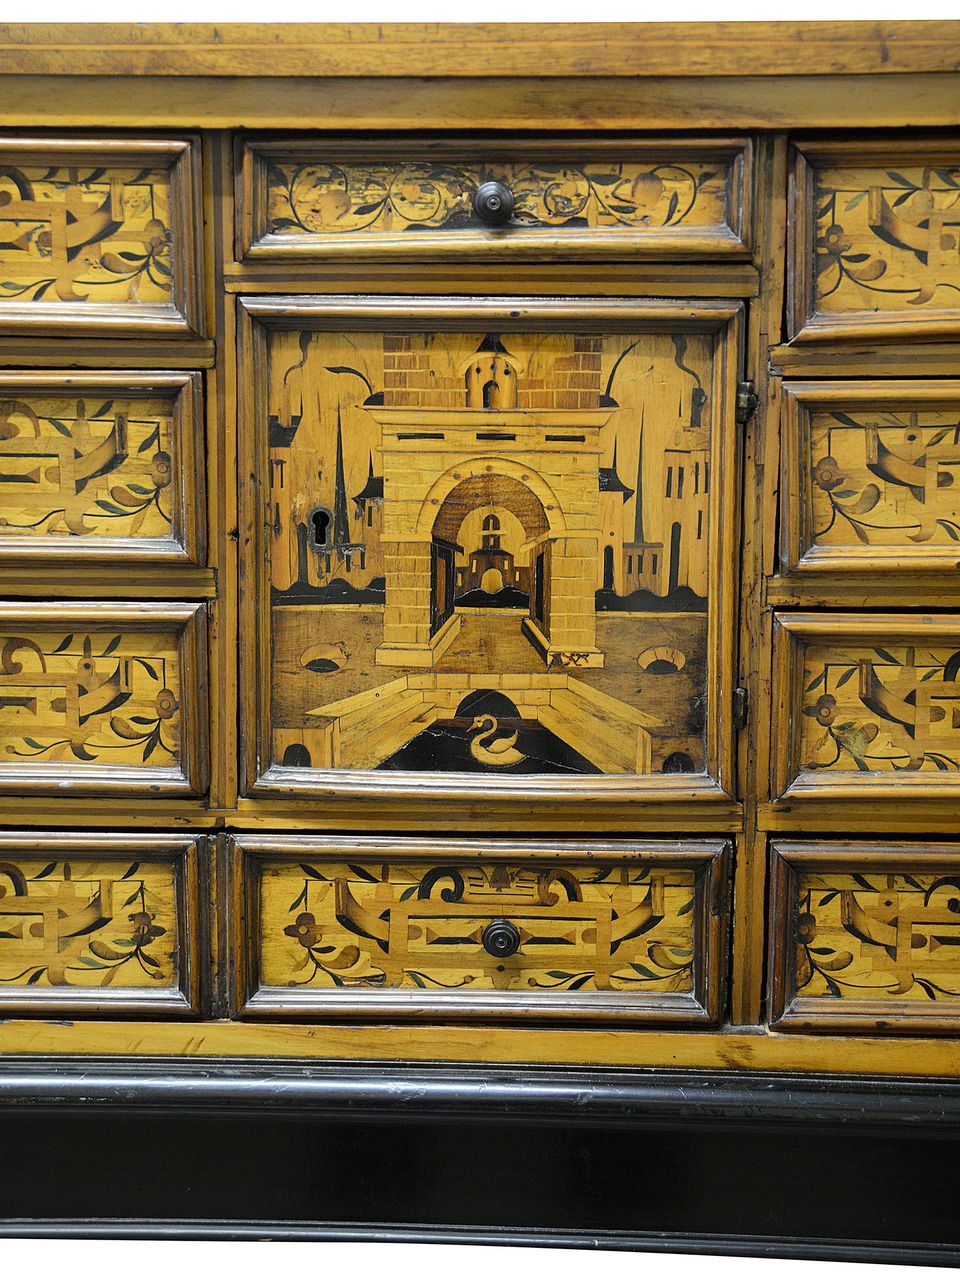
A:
{"points": [[880, 707], [343, 197], [89, 695], [87, 922], [94, 468], [581, 927], [877, 935], [489, 551], [85, 232]]}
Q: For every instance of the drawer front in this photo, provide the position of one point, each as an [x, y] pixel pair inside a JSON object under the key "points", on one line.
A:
{"points": [[867, 705], [101, 466], [866, 937], [876, 239], [99, 924], [99, 233], [102, 697], [378, 927], [594, 197], [871, 477]]}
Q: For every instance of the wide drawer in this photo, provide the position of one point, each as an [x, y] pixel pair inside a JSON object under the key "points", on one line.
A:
{"points": [[311, 198], [865, 937], [387, 927], [99, 924]]}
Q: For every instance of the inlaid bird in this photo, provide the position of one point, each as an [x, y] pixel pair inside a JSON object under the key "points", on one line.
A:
{"points": [[501, 752]]}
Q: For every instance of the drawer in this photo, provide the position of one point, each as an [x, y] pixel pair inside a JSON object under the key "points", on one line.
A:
{"points": [[101, 466], [100, 234], [865, 937], [867, 706], [103, 697], [313, 198], [875, 239], [94, 925], [395, 927], [871, 477]]}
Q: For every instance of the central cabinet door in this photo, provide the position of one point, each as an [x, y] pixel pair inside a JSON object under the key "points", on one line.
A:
{"points": [[491, 547]]}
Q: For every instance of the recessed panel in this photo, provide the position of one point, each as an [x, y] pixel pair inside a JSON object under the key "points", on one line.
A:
{"points": [[98, 923], [876, 238], [524, 929], [102, 697], [310, 199], [867, 936], [493, 551], [101, 466], [98, 232], [868, 703]]}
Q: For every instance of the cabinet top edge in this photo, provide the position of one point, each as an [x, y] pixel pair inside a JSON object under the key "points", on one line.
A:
{"points": [[480, 50]]}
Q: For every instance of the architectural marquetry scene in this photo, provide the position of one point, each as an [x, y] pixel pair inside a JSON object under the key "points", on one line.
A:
{"points": [[629, 928], [883, 476], [887, 239], [87, 467], [87, 922], [877, 935], [489, 552], [883, 706], [339, 198], [85, 695], [84, 232]]}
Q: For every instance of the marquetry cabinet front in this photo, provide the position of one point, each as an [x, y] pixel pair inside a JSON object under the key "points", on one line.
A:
{"points": [[475, 585]]}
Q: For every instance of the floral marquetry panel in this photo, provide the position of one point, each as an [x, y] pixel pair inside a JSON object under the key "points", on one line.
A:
{"points": [[98, 697], [98, 923], [876, 246], [871, 477], [309, 199], [101, 466], [868, 702], [378, 926], [866, 937], [99, 233], [493, 550]]}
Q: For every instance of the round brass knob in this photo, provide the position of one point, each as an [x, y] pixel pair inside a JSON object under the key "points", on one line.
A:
{"points": [[493, 203], [501, 938]]}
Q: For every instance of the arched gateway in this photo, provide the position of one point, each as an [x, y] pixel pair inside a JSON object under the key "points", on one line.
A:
{"points": [[439, 465]]}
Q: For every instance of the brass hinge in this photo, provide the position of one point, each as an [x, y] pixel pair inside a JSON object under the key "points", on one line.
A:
{"points": [[740, 708], [747, 401]]}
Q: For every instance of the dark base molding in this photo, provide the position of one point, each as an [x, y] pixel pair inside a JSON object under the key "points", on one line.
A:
{"points": [[714, 1162]]}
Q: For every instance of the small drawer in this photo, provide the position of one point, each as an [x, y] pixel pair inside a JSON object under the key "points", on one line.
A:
{"points": [[100, 234], [871, 477], [875, 239], [867, 706], [101, 466], [310, 198], [94, 925], [103, 697], [393, 927], [865, 937]]}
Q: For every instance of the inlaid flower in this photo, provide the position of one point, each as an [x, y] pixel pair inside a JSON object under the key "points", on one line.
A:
{"points": [[144, 929], [806, 928], [166, 704], [824, 710], [831, 245], [827, 473], [304, 930], [161, 469]]}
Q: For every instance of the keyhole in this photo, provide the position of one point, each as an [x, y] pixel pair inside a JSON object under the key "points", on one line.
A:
{"points": [[321, 527]]}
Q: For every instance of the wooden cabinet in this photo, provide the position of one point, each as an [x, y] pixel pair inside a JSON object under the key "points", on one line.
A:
{"points": [[480, 532]]}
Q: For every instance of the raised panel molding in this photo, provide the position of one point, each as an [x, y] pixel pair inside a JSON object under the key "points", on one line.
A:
{"points": [[302, 199], [378, 928], [102, 466], [100, 234], [866, 937]]}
